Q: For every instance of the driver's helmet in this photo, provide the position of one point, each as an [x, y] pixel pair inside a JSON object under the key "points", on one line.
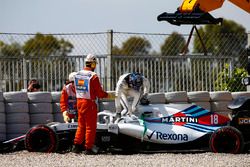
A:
{"points": [[135, 80]]}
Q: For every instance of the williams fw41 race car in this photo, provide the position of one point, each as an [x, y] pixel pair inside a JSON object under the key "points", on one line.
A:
{"points": [[154, 128]]}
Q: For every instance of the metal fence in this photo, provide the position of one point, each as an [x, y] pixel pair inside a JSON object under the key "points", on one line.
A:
{"points": [[22, 59]]}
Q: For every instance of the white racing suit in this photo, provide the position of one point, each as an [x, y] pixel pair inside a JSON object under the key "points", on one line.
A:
{"points": [[123, 91]]}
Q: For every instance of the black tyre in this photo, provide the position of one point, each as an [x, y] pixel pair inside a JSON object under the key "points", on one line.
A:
{"points": [[41, 138], [227, 140]]}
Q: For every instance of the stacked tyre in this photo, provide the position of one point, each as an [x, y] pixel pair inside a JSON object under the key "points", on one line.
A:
{"points": [[17, 114], [179, 97], [57, 114], [200, 98], [2, 119], [219, 102], [40, 108]]}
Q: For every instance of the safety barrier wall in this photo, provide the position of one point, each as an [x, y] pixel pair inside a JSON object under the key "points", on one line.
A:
{"points": [[21, 110]]}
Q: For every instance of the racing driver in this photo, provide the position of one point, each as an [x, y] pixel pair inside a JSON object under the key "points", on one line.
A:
{"points": [[130, 85]]}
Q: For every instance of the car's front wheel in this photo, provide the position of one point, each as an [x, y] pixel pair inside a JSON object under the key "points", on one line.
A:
{"points": [[41, 138], [227, 140]]}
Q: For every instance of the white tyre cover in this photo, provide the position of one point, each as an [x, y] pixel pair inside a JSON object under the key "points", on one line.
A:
{"points": [[2, 128], [2, 118], [237, 94], [13, 135], [3, 136], [15, 96], [17, 118], [18, 107], [40, 108], [107, 106], [180, 96], [40, 97], [156, 98], [56, 108], [41, 118], [58, 117], [1, 96], [205, 105], [200, 96], [219, 106], [220, 96], [56, 96], [17, 128], [2, 107]]}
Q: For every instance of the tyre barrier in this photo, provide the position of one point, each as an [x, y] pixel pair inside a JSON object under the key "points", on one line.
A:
{"points": [[40, 108], [17, 114], [57, 114], [173, 97]]}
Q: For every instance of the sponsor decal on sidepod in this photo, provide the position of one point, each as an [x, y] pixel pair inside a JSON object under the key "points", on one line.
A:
{"points": [[167, 136]]}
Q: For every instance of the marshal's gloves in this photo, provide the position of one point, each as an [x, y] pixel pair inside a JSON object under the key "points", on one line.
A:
{"points": [[144, 100], [111, 96], [66, 117]]}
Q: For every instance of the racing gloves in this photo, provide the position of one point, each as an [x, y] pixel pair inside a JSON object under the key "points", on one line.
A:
{"points": [[66, 117], [144, 100]]}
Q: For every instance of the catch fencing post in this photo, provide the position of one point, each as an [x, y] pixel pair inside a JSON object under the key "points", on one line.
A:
{"points": [[24, 74], [248, 55], [108, 65]]}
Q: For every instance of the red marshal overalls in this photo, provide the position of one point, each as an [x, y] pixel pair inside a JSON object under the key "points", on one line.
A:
{"points": [[88, 88]]}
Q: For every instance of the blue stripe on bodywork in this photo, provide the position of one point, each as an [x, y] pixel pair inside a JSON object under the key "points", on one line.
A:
{"points": [[191, 109], [201, 128], [203, 112], [197, 128]]}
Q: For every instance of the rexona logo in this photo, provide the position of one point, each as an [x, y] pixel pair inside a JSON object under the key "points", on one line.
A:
{"points": [[179, 119], [167, 136], [244, 121]]}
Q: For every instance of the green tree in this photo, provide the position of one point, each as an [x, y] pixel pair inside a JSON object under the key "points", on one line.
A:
{"points": [[134, 46], [10, 50], [46, 45], [228, 39], [173, 45], [228, 80]]}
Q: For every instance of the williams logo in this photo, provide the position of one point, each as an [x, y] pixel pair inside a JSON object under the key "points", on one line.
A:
{"points": [[244, 121], [167, 136]]}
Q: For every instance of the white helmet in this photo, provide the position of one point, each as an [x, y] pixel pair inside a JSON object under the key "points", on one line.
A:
{"points": [[72, 76], [91, 58]]}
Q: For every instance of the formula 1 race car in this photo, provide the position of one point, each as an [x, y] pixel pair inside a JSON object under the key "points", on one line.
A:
{"points": [[154, 128]]}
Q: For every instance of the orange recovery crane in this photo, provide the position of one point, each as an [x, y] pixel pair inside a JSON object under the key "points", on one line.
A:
{"points": [[197, 12]]}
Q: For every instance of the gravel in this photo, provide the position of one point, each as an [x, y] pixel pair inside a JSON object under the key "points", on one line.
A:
{"points": [[25, 158]]}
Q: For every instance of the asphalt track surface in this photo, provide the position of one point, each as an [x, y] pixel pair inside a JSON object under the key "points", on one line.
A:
{"points": [[206, 159]]}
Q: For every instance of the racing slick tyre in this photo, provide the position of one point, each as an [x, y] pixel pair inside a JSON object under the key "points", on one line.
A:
{"points": [[227, 140], [41, 138]]}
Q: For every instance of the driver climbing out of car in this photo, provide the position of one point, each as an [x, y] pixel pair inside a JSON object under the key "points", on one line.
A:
{"points": [[68, 101], [130, 85]]}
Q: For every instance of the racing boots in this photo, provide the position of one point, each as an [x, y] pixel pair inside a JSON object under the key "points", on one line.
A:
{"points": [[93, 151], [77, 148]]}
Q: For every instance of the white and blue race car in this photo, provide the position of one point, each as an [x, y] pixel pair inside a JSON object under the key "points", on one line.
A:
{"points": [[153, 128]]}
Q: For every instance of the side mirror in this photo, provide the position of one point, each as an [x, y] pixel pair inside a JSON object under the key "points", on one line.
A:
{"points": [[245, 81]]}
